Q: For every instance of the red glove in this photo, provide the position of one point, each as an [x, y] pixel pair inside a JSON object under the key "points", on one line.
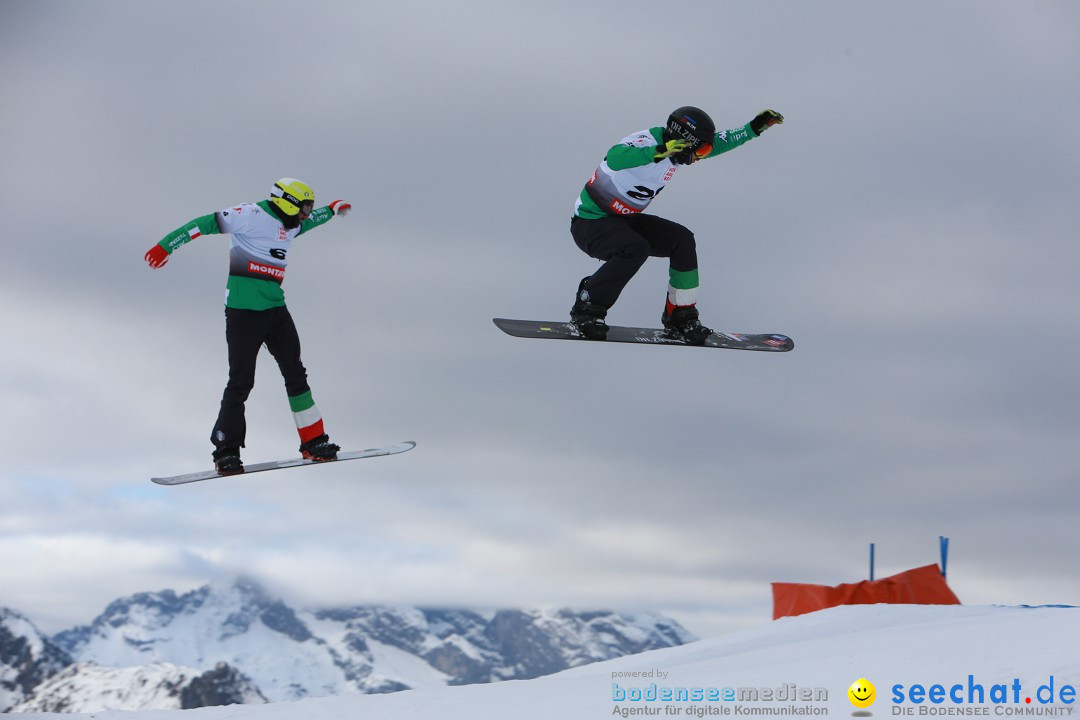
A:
{"points": [[156, 256], [340, 207]]}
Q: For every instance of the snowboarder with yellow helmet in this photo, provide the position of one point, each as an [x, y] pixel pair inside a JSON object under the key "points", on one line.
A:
{"points": [[255, 311]]}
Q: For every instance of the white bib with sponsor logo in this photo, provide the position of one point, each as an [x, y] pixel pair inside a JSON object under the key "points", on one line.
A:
{"points": [[260, 243], [629, 191]]}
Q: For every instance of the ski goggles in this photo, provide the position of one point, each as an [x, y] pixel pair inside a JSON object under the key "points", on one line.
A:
{"points": [[307, 206], [702, 150]]}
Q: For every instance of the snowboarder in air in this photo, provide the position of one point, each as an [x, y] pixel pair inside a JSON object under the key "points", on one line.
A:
{"points": [[255, 312], [608, 223]]}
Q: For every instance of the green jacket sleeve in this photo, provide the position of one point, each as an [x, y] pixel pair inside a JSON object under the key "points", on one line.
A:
{"points": [[204, 225], [730, 139], [317, 218]]}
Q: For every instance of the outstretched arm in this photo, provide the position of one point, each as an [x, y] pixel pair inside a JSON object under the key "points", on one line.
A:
{"points": [[323, 214], [730, 139], [159, 254]]}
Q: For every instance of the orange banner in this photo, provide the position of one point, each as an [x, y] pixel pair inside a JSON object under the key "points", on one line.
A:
{"points": [[920, 586]]}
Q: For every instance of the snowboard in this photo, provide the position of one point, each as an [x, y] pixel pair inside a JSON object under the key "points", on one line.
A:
{"points": [[767, 342], [281, 464]]}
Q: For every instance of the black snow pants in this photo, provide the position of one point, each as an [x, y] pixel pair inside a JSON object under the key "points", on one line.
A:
{"points": [[624, 242], [246, 331]]}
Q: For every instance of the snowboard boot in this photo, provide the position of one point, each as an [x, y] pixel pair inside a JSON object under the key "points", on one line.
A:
{"points": [[586, 317], [683, 323], [227, 461], [319, 449]]}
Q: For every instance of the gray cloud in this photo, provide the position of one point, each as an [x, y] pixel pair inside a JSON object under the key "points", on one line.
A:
{"points": [[912, 225]]}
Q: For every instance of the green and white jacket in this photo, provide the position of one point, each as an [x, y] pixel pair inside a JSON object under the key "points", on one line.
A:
{"points": [[630, 177], [258, 251]]}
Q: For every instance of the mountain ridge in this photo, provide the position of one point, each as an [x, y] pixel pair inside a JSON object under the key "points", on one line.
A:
{"points": [[274, 652]]}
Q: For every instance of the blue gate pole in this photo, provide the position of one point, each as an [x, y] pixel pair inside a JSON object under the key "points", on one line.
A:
{"points": [[944, 542], [871, 561]]}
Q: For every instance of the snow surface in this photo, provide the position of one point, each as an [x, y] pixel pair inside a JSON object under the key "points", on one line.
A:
{"points": [[889, 645]]}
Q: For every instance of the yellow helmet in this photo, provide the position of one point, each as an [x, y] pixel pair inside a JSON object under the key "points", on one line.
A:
{"points": [[289, 194]]}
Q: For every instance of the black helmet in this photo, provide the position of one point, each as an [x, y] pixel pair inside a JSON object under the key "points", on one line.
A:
{"points": [[693, 125]]}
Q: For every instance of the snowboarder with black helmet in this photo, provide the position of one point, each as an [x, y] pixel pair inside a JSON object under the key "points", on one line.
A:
{"points": [[255, 311], [609, 225]]}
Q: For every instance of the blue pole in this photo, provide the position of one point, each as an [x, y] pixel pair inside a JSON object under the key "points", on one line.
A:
{"points": [[944, 542], [871, 561]]}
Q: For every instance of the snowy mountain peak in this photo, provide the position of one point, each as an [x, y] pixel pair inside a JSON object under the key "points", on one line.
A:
{"points": [[27, 658], [214, 612], [290, 654]]}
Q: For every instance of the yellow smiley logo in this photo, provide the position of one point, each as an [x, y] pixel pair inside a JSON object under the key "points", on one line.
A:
{"points": [[862, 693]]}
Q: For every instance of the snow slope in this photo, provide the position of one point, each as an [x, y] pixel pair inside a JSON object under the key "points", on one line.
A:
{"points": [[1019, 653]]}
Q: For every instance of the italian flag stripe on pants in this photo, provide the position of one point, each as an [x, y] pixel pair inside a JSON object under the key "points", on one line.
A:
{"points": [[309, 421], [682, 288]]}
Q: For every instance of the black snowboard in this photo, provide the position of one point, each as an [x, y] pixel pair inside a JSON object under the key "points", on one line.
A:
{"points": [[767, 342]]}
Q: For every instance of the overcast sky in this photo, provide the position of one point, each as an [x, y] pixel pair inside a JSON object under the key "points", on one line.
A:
{"points": [[913, 226]]}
